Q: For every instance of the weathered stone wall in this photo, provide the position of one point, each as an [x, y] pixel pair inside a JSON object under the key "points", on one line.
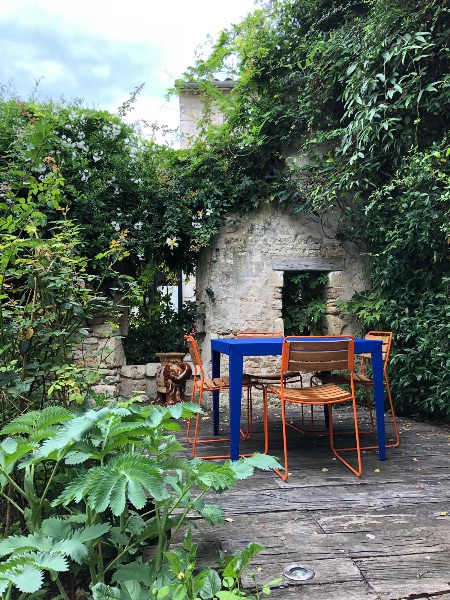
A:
{"points": [[239, 289]]}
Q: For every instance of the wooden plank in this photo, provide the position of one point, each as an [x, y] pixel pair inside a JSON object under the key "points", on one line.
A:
{"points": [[352, 590], [408, 575], [383, 536], [309, 263]]}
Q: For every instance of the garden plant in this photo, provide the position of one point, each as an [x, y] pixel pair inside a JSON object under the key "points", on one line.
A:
{"points": [[100, 497]]}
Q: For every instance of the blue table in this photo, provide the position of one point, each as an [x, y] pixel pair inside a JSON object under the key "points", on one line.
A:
{"points": [[237, 348]]}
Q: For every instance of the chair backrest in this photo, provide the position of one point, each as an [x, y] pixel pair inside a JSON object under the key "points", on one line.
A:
{"points": [[192, 345], [253, 334], [386, 340], [327, 353], [198, 375]]}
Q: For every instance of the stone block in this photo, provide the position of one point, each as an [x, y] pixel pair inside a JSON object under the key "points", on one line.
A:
{"points": [[133, 371], [151, 368], [107, 390]]}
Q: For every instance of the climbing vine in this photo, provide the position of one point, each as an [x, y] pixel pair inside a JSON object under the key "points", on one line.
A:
{"points": [[344, 105]]}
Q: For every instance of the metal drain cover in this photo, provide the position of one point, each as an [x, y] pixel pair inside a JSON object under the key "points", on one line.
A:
{"points": [[298, 572]]}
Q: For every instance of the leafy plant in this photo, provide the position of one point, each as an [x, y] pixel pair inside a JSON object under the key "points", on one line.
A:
{"points": [[303, 303], [47, 294], [158, 327], [96, 488]]}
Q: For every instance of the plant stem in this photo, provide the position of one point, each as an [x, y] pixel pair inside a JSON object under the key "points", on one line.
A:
{"points": [[49, 482], [13, 483], [11, 501], [61, 589]]}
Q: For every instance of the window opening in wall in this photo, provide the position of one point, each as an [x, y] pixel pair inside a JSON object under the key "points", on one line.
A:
{"points": [[304, 306]]}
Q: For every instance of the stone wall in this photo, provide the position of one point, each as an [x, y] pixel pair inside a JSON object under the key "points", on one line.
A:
{"points": [[240, 275]]}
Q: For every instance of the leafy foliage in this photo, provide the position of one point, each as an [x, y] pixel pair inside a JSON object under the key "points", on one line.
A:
{"points": [[94, 489], [158, 327], [303, 303], [345, 106]]}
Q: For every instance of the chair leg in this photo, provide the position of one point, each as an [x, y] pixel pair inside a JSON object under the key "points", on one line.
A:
{"points": [[358, 471], [266, 419], [244, 436], [394, 419], [284, 476], [394, 422]]}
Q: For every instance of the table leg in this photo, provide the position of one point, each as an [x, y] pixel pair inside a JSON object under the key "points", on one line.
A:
{"points": [[235, 369], [378, 390], [215, 360]]}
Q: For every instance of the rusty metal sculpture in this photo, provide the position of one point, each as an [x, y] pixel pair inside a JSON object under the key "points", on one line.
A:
{"points": [[175, 376], [171, 378]]}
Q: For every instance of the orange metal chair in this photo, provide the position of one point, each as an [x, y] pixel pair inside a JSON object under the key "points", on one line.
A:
{"points": [[218, 384], [262, 380], [362, 378], [267, 378], [309, 356]]}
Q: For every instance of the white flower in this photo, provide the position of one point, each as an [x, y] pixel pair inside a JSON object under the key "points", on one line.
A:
{"points": [[116, 225], [172, 242], [209, 212], [138, 225]]}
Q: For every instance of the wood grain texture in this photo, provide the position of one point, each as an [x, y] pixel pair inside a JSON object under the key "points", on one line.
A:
{"points": [[385, 536]]}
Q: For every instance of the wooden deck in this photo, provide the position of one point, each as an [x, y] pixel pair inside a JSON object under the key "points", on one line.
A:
{"points": [[385, 536]]}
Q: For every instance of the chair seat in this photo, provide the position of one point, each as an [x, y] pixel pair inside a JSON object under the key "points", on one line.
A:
{"points": [[322, 394], [219, 383]]}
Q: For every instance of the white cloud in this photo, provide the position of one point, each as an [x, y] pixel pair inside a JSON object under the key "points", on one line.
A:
{"points": [[101, 51]]}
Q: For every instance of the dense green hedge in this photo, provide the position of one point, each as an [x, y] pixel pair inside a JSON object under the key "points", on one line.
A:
{"points": [[367, 84]]}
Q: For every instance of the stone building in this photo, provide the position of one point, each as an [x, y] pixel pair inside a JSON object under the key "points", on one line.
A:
{"points": [[240, 276]]}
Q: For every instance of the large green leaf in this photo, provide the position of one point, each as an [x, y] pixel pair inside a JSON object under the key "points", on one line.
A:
{"points": [[50, 561], [118, 496], [29, 579], [22, 542], [100, 591], [72, 548], [133, 572], [211, 585], [76, 458], [9, 445], [264, 462], [57, 529], [91, 532], [136, 494], [169, 446], [37, 424]]}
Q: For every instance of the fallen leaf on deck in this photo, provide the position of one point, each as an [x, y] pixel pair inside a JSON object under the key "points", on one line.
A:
{"points": [[229, 520], [324, 470]]}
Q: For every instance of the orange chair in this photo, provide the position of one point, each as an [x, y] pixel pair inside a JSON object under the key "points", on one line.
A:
{"points": [[309, 356], [262, 380], [218, 384], [266, 378], [363, 379]]}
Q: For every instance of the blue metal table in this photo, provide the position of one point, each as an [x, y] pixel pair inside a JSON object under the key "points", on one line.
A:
{"points": [[237, 348]]}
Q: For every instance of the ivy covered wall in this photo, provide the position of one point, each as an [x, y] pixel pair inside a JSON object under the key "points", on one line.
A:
{"points": [[368, 83]]}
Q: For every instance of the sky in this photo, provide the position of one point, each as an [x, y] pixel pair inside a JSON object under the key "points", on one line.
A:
{"points": [[101, 50]]}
